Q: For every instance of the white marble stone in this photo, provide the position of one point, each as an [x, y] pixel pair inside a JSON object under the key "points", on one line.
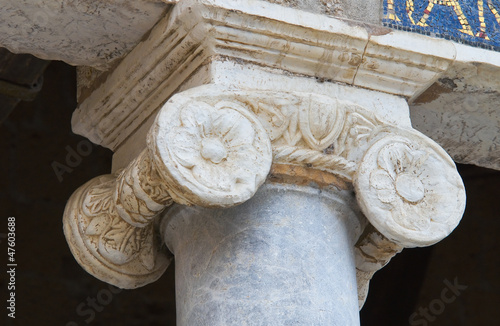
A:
{"points": [[403, 63], [210, 154], [228, 75], [213, 156], [460, 111], [373, 251], [409, 189], [369, 11], [211, 146]]}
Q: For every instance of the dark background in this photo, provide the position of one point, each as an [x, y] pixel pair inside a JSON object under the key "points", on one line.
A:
{"points": [[52, 289]]}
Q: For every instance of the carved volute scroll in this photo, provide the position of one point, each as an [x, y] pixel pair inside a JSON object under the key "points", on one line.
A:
{"points": [[214, 147], [372, 252], [212, 156], [104, 243]]}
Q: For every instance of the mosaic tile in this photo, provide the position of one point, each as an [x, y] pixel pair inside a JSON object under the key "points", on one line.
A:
{"points": [[473, 22]]}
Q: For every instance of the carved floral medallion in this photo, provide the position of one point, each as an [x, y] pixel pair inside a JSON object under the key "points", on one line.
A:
{"points": [[409, 189], [211, 155]]}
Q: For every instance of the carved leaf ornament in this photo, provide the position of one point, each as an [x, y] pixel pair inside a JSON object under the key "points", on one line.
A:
{"points": [[214, 148], [105, 244], [321, 123]]}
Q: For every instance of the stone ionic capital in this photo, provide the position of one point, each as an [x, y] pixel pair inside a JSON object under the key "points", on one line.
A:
{"points": [[213, 147]]}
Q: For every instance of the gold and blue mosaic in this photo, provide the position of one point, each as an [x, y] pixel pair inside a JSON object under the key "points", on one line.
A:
{"points": [[473, 22]]}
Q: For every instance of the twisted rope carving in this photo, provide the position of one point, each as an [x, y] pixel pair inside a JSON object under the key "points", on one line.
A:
{"points": [[319, 160]]}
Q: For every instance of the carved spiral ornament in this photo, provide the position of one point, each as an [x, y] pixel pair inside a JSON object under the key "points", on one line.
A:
{"points": [[409, 189]]}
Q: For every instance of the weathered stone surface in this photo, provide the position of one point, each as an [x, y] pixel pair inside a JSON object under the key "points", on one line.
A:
{"points": [[373, 251], [92, 33], [368, 11], [409, 189], [183, 50], [212, 156], [285, 257], [460, 111], [211, 146], [95, 33]]}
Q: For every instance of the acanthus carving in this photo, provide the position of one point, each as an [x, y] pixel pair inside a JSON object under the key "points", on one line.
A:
{"points": [[400, 176], [406, 185], [314, 130], [397, 193], [140, 195], [109, 225], [372, 252]]}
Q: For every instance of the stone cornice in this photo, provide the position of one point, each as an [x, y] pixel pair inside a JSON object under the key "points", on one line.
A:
{"points": [[198, 31]]}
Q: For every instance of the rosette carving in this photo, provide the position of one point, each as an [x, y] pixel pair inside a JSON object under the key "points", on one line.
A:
{"points": [[406, 185], [213, 156], [413, 194], [409, 189]]}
